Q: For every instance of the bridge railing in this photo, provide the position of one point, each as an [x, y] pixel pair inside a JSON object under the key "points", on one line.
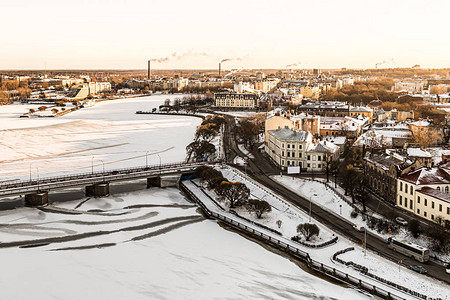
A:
{"points": [[99, 174], [292, 250]]}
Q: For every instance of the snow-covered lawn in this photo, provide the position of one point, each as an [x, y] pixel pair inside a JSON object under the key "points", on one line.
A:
{"points": [[289, 215]]}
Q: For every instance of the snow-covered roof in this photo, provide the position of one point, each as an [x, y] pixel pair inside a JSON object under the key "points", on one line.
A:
{"points": [[424, 176], [417, 152], [421, 123], [322, 147], [289, 135], [361, 109], [432, 192]]}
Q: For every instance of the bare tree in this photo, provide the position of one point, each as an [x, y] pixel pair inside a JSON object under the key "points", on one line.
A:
{"points": [[308, 230], [236, 193], [199, 150], [258, 207]]}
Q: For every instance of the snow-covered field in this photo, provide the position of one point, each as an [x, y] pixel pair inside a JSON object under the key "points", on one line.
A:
{"points": [[109, 134], [148, 244]]}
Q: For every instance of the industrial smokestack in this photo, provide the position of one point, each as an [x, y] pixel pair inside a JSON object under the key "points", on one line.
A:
{"points": [[149, 71], [220, 64]]}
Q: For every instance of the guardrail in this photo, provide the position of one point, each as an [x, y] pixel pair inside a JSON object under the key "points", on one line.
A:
{"points": [[294, 251]]}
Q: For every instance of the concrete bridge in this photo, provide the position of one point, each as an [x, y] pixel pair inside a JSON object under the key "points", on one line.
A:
{"points": [[96, 183]]}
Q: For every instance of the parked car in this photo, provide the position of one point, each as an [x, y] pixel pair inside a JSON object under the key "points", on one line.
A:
{"points": [[447, 268], [358, 228], [401, 221], [418, 269]]}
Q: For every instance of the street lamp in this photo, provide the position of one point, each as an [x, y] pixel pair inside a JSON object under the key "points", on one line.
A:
{"points": [[159, 163], [92, 165], [146, 160], [37, 170], [310, 206]]}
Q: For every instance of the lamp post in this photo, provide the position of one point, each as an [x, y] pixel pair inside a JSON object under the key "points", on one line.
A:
{"points": [[92, 165], [146, 160], [37, 170], [159, 163], [310, 206]]}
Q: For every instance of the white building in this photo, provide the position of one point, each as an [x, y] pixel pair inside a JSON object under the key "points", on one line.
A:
{"points": [[292, 148]]}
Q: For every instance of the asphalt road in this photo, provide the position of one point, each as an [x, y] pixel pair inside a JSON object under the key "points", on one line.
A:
{"points": [[260, 168]]}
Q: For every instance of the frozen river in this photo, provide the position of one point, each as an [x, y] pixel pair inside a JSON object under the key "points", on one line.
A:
{"points": [[145, 244]]}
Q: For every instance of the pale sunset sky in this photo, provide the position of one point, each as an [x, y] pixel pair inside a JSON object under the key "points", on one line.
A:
{"points": [[124, 34]]}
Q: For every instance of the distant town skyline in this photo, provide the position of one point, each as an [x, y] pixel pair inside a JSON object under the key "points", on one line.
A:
{"points": [[121, 34]]}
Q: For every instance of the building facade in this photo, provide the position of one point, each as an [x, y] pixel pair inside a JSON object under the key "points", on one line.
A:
{"points": [[236, 100]]}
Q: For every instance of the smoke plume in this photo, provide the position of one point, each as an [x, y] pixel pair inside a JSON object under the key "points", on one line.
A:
{"points": [[176, 56], [293, 65]]}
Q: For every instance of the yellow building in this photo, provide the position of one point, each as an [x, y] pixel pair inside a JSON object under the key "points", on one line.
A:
{"points": [[362, 111]]}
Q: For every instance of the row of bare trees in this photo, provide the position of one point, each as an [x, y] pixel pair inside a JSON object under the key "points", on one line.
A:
{"points": [[202, 148]]}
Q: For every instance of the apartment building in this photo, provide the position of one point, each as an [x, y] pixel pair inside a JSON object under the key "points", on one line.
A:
{"points": [[230, 100]]}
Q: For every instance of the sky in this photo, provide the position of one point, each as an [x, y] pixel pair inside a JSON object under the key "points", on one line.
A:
{"points": [[124, 34]]}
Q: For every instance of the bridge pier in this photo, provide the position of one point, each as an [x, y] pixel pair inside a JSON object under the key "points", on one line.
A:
{"points": [[40, 198], [154, 182], [98, 189]]}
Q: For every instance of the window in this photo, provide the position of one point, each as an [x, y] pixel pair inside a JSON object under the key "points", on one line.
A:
{"points": [[314, 165], [282, 153], [446, 189], [400, 200], [432, 204], [418, 211], [410, 204], [438, 188], [406, 202], [440, 207], [309, 165], [319, 157], [309, 157], [300, 147], [293, 154], [300, 154], [411, 190], [424, 213], [288, 154], [448, 210], [401, 186], [418, 200], [288, 163], [282, 145], [406, 188], [432, 217], [425, 202], [282, 162], [289, 146]]}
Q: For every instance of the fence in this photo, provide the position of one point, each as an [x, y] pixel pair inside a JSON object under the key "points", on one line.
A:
{"points": [[293, 251], [364, 270]]}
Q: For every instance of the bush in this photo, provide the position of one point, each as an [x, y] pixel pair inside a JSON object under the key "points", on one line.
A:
{"points": [[415, 228]]}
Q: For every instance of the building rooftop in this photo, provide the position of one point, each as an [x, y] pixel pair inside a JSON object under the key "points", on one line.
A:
{"points": [[425, 176], [417, 152], [426, 190], [289, 135]]}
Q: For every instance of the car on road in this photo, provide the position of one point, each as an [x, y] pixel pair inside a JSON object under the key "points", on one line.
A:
{"points": [[401, 221], [418, 269], [358, 228], [447, 268]]}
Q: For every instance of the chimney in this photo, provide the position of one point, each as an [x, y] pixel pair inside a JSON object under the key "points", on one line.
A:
{"points": [[149, 71], [220, 64]]}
